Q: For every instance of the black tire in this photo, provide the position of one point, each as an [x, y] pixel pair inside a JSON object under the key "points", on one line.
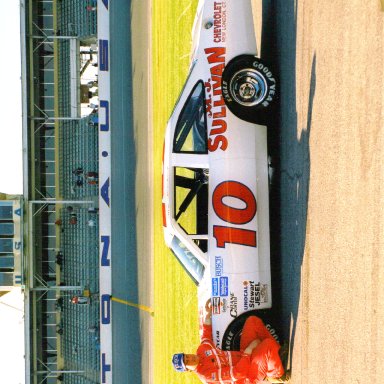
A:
{"points": [[249, 88], [231, 338]]}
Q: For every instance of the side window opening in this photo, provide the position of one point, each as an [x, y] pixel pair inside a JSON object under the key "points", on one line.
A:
{"points": [[191, 264], [191, 203], [191, 128]]}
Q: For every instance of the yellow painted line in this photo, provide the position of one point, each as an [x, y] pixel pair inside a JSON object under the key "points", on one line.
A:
{"points": [[130, 304]]}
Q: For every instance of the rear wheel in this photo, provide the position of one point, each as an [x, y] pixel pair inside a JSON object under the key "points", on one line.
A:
{"points": [[249, 88]]}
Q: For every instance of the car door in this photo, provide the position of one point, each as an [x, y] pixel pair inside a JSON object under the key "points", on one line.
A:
{"points": [[189, 169]]}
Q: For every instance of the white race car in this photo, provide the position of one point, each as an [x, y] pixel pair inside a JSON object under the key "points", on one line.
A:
{"points": [[215, 169]]}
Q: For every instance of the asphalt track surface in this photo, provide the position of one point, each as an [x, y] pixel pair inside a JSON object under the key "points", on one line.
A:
{"points": [[131, 196], [125, 319], [328, 223], [327, 200]]}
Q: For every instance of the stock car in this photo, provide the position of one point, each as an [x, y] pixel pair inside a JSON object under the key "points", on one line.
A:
{"points": [[215, 197]]}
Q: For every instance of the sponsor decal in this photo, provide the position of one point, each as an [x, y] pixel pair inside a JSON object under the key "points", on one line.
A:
{"points": [[218, 265], [224, 305], [254, 294], [219, 22], [216, 305], [215, 287], [208, 353], [233, 305], [214, 101], [223, 286]]}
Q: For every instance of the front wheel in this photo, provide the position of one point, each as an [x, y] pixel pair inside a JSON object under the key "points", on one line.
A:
{"points": [[249, 88]]}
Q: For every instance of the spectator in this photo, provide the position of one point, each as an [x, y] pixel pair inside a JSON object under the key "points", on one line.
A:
{"points": [[59, 258], [92, 178], [78, 171], [80, 300], [73, 219]]}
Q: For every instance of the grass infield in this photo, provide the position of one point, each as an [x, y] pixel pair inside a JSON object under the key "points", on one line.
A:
{"points": [[175, 303]]}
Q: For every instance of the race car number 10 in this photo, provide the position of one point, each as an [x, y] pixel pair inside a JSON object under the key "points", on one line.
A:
{"points": [[224, 196]]}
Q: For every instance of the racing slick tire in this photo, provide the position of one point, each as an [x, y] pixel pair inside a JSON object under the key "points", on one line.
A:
{"points": [[249, 88], [231, 338]]}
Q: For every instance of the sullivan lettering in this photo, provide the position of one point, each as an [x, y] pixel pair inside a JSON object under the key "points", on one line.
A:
{"points": [[215, 104]]}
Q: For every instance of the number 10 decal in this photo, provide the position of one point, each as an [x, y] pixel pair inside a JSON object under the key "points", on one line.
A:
{"points": [[233, 215]]}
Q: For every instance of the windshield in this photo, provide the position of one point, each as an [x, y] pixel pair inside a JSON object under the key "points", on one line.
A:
{"points": [[191, 131], [191, 264]]}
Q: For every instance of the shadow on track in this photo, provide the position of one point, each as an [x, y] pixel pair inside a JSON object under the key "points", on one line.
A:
{"points": [[291, 153]]}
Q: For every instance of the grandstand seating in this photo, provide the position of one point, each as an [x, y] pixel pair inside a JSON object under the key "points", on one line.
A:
{"points": [[78, 242], [76, 18], [78, 149], [64, 85]]}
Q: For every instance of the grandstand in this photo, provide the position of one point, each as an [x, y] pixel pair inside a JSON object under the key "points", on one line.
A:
{"points": [[61, 191]]}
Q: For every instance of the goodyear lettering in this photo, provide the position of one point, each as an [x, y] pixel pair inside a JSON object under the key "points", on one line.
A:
{"points": [[273, 332], [272, 88], [229, 340], [217, 338], [215, 104]]}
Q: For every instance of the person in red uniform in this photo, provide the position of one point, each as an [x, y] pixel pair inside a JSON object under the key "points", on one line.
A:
{"points": [[258, 358]]}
